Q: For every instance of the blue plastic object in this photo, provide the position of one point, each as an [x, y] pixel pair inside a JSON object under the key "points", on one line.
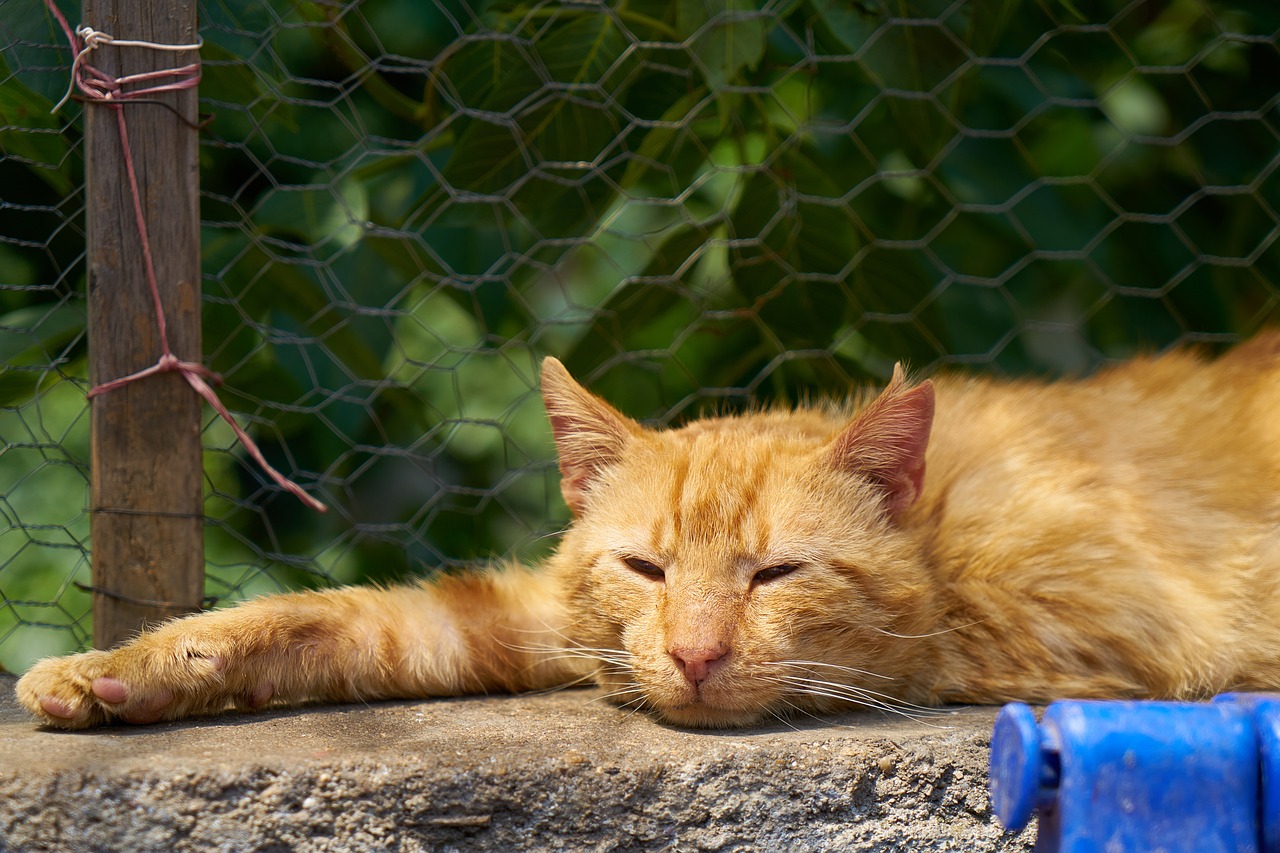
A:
{"points": [[1111, 777], [1266, 715]]}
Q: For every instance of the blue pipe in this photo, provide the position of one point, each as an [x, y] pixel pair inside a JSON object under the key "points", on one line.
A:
{"points": [[1113, 777]]}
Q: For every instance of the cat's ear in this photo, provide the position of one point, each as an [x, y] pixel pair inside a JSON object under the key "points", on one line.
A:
{"points": [[590, 434], [886, 441]]}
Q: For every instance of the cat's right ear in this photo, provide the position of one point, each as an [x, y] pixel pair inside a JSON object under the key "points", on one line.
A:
{"points": [[590, 434]]}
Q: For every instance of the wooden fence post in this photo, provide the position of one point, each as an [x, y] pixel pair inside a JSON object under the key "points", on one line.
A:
{"points": [[146, 474]]}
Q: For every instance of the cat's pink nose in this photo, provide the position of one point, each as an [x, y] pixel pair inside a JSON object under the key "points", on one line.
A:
{"points": [[697, 663]]}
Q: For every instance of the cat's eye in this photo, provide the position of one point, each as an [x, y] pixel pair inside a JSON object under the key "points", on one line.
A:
{"points": [[644, 567], [774, 572]]}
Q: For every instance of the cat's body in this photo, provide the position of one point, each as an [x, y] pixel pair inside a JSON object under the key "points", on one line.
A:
{"points": [[1111, 537]]}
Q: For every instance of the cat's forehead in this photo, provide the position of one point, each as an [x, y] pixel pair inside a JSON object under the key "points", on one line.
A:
{"points": [[779, 427], [732, 455], [728, 456], [733, 480]]}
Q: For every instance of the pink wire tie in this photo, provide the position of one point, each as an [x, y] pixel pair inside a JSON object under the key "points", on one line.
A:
{"points": [[99, 87]]}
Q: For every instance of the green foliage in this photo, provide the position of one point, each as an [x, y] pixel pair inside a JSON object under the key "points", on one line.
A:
{"points": [[701, 201]]}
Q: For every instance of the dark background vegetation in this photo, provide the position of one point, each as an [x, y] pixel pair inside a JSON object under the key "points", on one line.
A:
{"points": [[695, 204]]}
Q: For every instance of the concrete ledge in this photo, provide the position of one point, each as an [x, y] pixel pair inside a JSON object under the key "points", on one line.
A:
{"points": [[504, 773]]}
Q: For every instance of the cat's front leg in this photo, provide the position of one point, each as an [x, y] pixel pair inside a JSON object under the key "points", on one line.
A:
{"points": [[462, 634]]}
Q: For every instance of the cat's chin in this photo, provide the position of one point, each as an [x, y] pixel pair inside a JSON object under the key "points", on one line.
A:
{"points": [[699, 715]]}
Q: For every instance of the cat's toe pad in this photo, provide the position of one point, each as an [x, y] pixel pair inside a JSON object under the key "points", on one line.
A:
{"points": [[148, 710], [258, 697], [110, 690], [140, 708], [57, 708]]}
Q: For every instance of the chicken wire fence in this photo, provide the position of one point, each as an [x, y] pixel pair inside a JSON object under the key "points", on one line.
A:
{"points": [[694, 204]]}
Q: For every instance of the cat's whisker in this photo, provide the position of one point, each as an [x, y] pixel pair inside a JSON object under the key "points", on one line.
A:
{"points": [[859, 696], [610, 662], [640, 703], [561, 653], [931, 634], [870, 704], [852, 698], [569, 642], [603, 666], [797, 708], [558, 652], [808, 663], [629, 690], [785, 719], [907, 715], [861, 691], [551, 535], [584, 680], [545, 627]]}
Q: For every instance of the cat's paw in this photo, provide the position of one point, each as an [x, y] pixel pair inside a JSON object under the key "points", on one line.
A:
{"points": [[127, 685], [59, 691]]}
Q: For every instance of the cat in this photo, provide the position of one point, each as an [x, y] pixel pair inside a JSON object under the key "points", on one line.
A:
{"points": [[1114, 536]]}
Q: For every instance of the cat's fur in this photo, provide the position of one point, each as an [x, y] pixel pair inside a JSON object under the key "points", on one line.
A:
{"points": [[1117, 536]]}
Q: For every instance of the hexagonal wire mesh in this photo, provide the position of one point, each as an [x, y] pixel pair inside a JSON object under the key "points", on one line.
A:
{"points": [[691, 203]]}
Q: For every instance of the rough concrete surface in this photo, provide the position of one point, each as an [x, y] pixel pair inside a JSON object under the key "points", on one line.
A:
{"points": [[560, 772]]}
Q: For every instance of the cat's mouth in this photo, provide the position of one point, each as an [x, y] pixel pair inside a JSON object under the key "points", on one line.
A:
{"points": [[720, 704], [716, 705]]}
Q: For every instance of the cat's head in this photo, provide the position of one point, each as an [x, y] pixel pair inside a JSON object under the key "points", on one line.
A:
{"points": [[748, 566]]}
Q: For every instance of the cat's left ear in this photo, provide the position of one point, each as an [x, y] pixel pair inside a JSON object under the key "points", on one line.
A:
{"points": [[590, 434], [886, 441]]}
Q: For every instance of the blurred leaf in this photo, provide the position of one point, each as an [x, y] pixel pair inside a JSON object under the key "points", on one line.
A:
{"points": [[852, 22], [336, 38], [490, 74], [326, 218], [34, 334], [668, 148], [787, 220], [284, 287], [224, 75], [32, 133], [783, 230], [493, 153], [17, 387], [404, 256], [638, 303], [894, 285], [900, 58], [985, 22], [730, 36], [490, 156], [31, 339]]}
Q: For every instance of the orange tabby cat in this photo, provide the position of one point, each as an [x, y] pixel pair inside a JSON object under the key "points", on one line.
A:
{"points": [[1111, 537]]}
